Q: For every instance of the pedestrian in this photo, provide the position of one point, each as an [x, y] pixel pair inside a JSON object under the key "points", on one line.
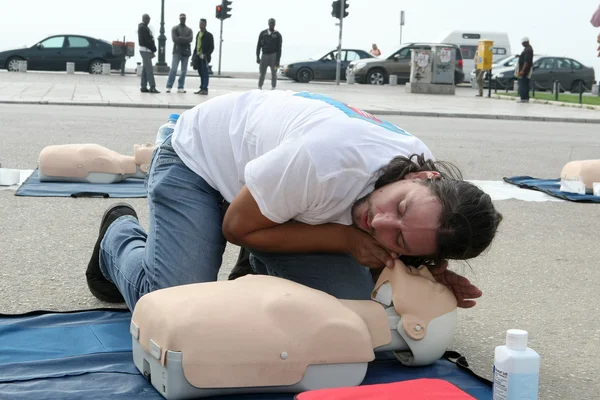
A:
{"points": [[269, 41], [182, 37], [375, 50], [317, 191], [595, 21], [148, 52], [525, 69], [479, 74], [205, 45]]}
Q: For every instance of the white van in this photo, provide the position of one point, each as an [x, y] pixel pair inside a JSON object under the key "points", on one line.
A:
{"points": [[468, 42]]}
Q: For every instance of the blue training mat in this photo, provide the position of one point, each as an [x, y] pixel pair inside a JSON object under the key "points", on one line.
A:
{"points": [[129, 188], [551, 187], [87, 355]]}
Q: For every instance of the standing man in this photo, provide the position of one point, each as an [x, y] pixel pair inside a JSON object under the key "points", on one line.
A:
{"points": [[205, 45], [525, 70], [182, 37], [147, 51], [479, 73], [270, 42]]}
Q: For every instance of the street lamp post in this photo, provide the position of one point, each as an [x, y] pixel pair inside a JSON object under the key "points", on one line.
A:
{"points": [[161, 65]]}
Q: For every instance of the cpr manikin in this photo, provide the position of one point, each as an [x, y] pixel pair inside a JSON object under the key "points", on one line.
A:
{"points": [[586, 171], [260, 334], [92, 163]]}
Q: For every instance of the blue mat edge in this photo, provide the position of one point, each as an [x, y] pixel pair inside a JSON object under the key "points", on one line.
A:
{"points": [[573, 197], [25, 188]]}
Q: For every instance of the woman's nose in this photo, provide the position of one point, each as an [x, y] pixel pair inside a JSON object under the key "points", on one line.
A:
{"points": [[385, 221]]}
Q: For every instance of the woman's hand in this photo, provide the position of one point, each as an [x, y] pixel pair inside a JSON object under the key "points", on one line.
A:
{"points": [[367, 251]]}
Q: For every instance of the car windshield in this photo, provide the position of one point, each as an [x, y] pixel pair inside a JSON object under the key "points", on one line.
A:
{"points": [[510, 59]]}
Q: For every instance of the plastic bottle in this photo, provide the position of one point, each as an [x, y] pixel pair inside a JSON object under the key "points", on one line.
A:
{"points": [[516, 369], [166, 130]]}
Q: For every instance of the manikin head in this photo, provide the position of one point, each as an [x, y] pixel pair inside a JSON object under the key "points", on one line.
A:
{"points": [[427, 311], [424, 209], [272, 24]]}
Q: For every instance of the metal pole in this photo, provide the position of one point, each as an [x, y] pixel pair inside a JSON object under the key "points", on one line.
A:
{"points": [[220, 47], [162, 39], [339, 52], [401, 25]]}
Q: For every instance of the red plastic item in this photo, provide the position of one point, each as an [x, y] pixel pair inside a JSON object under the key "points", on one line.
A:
{"points": [[418, 389]]}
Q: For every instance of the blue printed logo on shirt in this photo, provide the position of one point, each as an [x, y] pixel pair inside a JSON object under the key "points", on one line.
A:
{"points": [[353, 112]]}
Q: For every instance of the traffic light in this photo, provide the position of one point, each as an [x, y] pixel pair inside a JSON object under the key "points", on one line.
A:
{"points": [[226, 9], [335, 9], [223, 10]]}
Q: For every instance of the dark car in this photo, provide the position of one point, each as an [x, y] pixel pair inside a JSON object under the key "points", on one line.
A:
{"points": [[53, 53], [547, 69], [324, 68], [378, 71]]}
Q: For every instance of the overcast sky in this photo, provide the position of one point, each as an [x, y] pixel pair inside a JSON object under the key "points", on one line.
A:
{"points": [[308, 30]]}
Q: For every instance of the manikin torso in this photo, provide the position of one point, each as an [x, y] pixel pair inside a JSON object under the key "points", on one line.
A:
{"points": [[92, 163], [235, 333]]}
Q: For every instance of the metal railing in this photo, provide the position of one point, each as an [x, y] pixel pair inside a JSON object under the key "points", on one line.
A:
{"points": [[556, 88]]}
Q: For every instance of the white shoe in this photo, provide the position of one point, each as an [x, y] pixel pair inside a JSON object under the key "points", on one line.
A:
{"points": [[180, 90]]}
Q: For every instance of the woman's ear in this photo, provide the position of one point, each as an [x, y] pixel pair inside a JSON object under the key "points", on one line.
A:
{"points": [[423, 175]]}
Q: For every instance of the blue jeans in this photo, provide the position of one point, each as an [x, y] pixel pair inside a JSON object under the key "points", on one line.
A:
{"points": [[177, 58], [203, 72], [185, 243], [524, 88]]}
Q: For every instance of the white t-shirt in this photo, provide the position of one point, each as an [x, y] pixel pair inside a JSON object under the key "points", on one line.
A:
{"points": [[303, 156]]}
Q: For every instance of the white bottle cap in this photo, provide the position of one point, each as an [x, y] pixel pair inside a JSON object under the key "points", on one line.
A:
{"points": [[516, 339]]}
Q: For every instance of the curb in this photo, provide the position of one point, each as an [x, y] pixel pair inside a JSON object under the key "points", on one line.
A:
{"points": [[370, 111], [551, 102]]}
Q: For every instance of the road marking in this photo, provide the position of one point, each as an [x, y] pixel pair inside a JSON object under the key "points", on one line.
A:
{"points": [[498, 190]]}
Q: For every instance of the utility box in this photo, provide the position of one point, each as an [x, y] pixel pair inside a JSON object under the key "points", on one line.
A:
{"points": [[420, 66], [444, 61], [422, 74], [484, 55]]}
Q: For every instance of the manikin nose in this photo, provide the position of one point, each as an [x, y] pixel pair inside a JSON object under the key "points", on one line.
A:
{"points": [[385, 221]]}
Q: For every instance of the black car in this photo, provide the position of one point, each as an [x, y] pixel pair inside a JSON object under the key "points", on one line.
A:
{"points": [[324, 68], [53, 53]]}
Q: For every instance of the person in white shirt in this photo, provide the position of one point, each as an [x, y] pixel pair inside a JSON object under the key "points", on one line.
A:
{"points": [[319, 192]]}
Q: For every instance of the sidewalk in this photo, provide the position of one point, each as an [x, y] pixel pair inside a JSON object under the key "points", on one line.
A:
{"points": [[123, 91]]}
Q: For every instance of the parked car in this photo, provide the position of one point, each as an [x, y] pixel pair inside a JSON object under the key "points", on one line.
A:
{"points": [[376, 71], [501, 64], [547, 69], [324, 68], [53, 53]]}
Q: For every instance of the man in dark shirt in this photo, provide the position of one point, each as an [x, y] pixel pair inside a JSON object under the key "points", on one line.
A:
{"points": [[147, 51], [205, 45], [525, 70], [270, 42]]}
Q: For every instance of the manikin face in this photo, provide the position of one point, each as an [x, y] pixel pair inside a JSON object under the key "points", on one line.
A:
{"points": [[403, 216], [416, 296]]}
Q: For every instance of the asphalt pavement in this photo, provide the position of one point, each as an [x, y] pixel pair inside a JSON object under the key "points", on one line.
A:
{"points": [[539, 275]]}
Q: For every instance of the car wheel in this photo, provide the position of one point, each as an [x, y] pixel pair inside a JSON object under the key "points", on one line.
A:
{"points": [[575, 87], [12, 65], [96, 67], [376, 77], [304, 75]]}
